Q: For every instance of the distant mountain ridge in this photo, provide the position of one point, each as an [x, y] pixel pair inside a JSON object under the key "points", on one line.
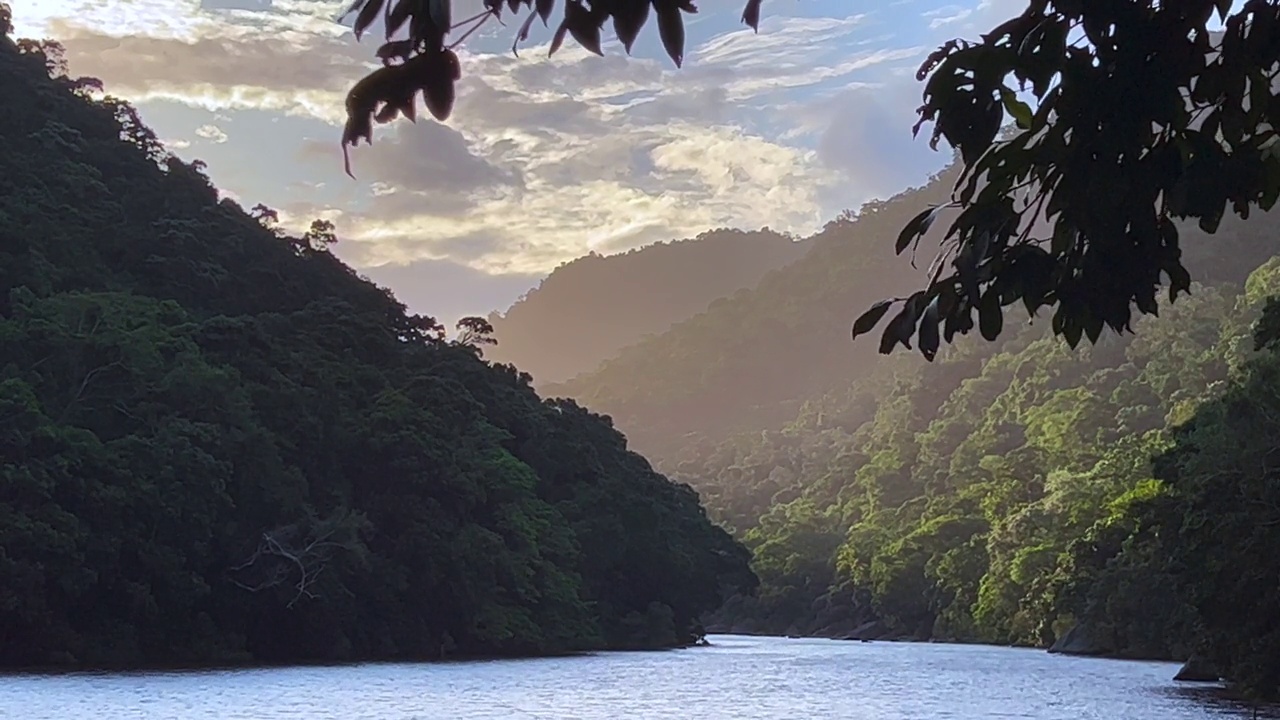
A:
{"points": [[588, 310], [750, 362]]}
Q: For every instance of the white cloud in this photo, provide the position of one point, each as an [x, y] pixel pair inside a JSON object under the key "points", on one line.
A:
{"points": [[949, 14], [212, 133], [544, 159]]}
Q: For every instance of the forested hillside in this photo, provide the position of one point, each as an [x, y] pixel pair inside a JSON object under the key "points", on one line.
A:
{"points": [[748, 361], [751, 361], [589, 309], [219, 443], [1008, 492], [1113, 499]]}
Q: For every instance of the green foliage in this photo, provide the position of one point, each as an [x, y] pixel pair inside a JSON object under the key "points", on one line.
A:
{"points": [[1225, 518], [1141, 114], [218, 443], [1000, 494]]}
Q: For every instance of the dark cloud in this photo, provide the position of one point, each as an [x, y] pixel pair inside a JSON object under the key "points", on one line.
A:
{"points": [[430, 166]]}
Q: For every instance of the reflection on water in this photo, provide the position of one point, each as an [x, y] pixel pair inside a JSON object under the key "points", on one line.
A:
{"points": [[737, 678]]}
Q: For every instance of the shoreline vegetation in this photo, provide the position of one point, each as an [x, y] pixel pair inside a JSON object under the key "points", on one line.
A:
{"points": [[249, 664]]}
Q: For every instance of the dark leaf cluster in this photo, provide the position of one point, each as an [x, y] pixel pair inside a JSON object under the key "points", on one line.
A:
{"points": [[1140, 116], [423, 61]]}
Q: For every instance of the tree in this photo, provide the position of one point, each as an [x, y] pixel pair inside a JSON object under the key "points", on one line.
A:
{"points": [[475, 331], [1140, 115], [320, 236], [266, 216]]}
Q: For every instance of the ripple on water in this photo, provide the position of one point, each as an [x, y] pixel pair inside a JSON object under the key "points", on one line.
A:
{"points": [[738, 678]]}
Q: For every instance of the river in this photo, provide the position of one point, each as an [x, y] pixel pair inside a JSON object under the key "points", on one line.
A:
{"points": [[737, 678]]}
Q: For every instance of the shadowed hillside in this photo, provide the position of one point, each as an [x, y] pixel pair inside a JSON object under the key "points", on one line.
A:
{"points": [[219, 444], [589, 309]]}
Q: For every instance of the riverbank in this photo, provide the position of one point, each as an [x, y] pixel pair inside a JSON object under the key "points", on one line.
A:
{"points": [[233, 664], [875, 631]]}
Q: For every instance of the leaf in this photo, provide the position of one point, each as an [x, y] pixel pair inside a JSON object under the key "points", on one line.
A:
{"points": [[629, 16], [1071, 330], [367, 15], [916, 228], [903, 325], [350, 9], [968, 260], [439, 100], [671, 29], [397, 17], [929, 338], [583, 25], [1093, 327], [866, 322], [544, 10], [523, 35], [557, 40], [441, 12], [1020, 111], [438, 90], [394, 49], [990, 315], [1179, 280], [751, 14]]}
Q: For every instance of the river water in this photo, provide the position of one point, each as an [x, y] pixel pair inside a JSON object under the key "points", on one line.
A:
{"points": [[737, 678]]}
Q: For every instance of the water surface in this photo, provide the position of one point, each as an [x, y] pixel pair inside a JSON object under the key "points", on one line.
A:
{"points": [[738, 678]]}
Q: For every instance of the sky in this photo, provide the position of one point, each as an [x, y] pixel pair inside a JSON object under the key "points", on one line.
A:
{"points": [[544, 158]]}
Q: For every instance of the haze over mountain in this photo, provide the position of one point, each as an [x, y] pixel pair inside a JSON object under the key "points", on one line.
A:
{"points": [[589, 309]]}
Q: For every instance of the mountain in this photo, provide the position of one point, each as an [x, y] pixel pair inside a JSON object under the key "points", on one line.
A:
{"points": [[587, 310], [1113, 500], [219, 444], [751, 361]]}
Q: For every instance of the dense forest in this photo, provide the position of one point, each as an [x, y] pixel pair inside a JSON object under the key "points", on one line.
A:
{"points": [[1114, 499], [589, 309], [218, 443]]}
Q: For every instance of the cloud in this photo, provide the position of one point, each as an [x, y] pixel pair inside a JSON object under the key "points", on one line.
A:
{"points": [[544, 158], [947, 15], [865, 134], [212, 133]]}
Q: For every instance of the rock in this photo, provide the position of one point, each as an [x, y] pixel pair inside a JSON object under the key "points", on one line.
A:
{"points": [[1197, 669], [1080, 640]]}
